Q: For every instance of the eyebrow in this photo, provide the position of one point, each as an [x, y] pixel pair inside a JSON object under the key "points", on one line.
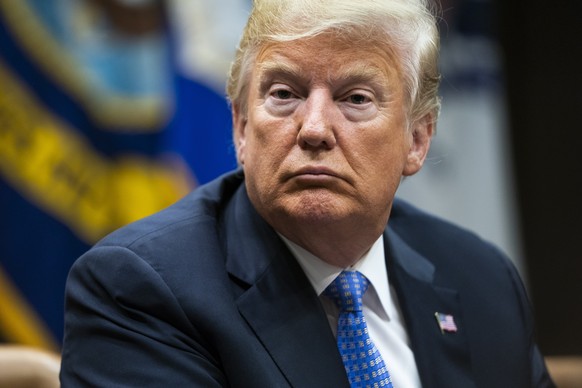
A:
{"points": [[270, 70], [353, 73], [358, 73], [275, 68]]}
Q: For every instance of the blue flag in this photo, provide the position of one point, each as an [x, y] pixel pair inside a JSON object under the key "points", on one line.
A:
{"points": [[99, 126]]}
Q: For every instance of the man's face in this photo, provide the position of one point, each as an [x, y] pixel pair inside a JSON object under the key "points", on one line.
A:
{"points": [[325, 137]]}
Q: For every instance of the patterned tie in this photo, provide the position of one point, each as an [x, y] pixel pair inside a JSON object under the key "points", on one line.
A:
{"points": [[363, 362]]}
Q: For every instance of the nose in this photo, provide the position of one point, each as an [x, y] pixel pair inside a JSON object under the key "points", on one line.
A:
{"points": [[317, 125]]}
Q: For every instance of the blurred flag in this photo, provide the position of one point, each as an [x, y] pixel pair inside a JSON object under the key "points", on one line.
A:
{"points": [[205, 35], [101, 123]]}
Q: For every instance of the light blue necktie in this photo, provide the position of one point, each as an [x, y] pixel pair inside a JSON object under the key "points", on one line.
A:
{"points": [[363, 362]]}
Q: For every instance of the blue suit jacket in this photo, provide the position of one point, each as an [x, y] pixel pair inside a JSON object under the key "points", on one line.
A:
{"points": [[206, 294]]}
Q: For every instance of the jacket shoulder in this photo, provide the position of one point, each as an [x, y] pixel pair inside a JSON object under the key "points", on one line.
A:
{"points": [[199, 208], [447, 245], [416, 225]]}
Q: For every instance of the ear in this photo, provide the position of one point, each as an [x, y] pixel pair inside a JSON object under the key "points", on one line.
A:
{"points": [[422, 131], [239, 122]]}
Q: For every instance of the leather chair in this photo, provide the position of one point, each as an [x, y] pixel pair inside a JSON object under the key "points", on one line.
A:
{"points": [[566, 371], [26, 367]]}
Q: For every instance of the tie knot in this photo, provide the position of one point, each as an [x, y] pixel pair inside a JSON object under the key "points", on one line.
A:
{"points": [[347, 290]]}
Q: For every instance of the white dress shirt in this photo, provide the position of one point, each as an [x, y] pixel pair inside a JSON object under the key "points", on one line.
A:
{"points": [[381, 309]]}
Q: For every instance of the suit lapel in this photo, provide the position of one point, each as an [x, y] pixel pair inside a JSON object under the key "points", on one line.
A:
{"points": [[280, 304], [442, 358]]}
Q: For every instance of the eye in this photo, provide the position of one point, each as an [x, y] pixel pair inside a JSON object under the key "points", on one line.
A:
{"points": [[281, 99], [282, 94], [359, 104], [358, 99]]}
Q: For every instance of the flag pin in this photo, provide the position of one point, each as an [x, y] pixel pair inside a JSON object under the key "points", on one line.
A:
{"points": [[446, 323]]}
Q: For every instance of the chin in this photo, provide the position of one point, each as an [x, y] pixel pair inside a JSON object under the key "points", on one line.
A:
{"points": [[317, 207]]}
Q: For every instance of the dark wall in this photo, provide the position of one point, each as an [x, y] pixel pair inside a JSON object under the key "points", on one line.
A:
{"points": [[542, 46]]}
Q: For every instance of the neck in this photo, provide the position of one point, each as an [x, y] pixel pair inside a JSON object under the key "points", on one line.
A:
{"points": [[341, 249]]}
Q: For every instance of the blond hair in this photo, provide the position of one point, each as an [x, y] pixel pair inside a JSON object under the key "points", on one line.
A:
{"points": [[405, 27]]}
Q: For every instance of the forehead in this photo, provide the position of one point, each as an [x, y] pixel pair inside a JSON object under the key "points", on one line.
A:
{"points": [[328, 58]]}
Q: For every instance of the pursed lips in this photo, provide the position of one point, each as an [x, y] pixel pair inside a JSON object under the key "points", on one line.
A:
{"points": [[316, 173]]}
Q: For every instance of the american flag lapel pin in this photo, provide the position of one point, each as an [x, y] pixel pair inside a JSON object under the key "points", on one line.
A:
{"points": [[446, 322]]}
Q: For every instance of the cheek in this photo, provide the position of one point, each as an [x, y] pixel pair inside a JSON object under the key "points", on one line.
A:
{"points": [[381, 150], [264, 152], [380, 162], [270, 138]]}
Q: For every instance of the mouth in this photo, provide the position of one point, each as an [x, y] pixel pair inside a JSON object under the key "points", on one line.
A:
{"points": [[315, 174], [316, 171]]}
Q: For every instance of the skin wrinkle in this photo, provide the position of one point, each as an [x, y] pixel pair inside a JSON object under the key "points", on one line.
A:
{"points": [[354, 151], [361, 69]]}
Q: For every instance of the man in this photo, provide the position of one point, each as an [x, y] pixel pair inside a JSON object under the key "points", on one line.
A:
{"points": [[243, 282]]}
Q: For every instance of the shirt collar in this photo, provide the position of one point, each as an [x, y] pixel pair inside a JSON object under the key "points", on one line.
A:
{"points": [[372, 265]]}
